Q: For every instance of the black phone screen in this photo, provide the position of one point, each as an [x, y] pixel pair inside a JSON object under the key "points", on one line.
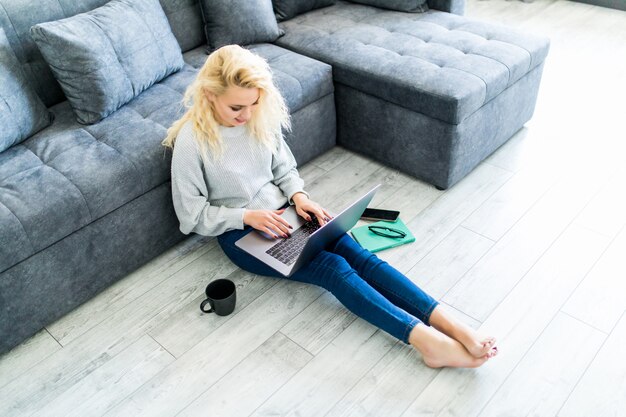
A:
{"points": [[380, 214]]}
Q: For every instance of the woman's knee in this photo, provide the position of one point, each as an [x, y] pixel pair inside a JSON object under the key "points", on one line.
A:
{"points": [[331, 269], [345, 244], [354, 253]]}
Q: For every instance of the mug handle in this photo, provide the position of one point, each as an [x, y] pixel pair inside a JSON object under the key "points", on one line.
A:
{"points": [[204, 303]]}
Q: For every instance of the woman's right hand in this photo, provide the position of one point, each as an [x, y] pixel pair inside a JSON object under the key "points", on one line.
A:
{"points": [[268, 221]]}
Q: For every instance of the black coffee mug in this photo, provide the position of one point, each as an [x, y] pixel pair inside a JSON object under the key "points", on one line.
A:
{"points": [[221, 296]]}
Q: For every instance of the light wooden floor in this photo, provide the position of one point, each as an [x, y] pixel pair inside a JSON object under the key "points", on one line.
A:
{"points": [[531, 247]]}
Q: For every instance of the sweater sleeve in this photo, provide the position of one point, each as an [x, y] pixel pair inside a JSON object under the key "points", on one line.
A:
{"points": [[286, 175], [189, 193]]}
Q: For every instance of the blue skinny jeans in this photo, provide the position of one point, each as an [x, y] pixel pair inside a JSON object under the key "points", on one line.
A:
{"points": [[368, 286]]}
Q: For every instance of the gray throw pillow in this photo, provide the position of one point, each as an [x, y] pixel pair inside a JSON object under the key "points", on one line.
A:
{"points": [[22, 113], [241, 22], [286, 9], [107, 56], [413, 6]]}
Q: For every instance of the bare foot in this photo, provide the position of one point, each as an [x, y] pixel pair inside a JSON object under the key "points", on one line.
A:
{"points": [[475, 343], [439, 350]]}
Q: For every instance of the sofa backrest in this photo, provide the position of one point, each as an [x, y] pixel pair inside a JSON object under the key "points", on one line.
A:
{"points": [[17, 17]]}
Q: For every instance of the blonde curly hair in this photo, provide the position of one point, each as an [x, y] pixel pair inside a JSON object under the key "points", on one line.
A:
{"points": [[229, 66]]}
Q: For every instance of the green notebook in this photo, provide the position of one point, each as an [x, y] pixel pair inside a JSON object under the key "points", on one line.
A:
{"points": [[374, 243]]}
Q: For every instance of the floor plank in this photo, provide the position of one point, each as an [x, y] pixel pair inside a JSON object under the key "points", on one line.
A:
{"points": [[319, 324], [340, 180], [329, 375], [606, 213], [310, 172], [547, 374], [188, 326], [470, 321], [445, 214], [27, 355], [331, 159], [444, 266], [507, 205], [199, 368], [411, 199], [390, 180], [95, 394], [600, 300], [252, 381], [602, 390], [388, 388], [484, 286]]}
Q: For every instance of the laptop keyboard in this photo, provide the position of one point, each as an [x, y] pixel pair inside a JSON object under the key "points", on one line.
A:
{"points": [[287, 250]]}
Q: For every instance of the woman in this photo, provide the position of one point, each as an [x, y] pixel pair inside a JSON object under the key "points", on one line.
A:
{"points": [[232, 172]]}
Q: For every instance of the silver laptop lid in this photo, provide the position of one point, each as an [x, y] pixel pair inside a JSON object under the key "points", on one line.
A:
{"points": [[332, 230]]}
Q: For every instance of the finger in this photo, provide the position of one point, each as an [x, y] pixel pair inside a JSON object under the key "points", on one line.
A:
{"points": [[283, 221], [280, 228], [304, 215], [327, 214], [320, 217], [270, 232]]}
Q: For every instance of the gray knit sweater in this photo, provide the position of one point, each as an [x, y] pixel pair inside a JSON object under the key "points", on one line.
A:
{"points": [[210, 196]]}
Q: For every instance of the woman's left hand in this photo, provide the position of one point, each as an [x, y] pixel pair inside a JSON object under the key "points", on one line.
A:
{"points": [[305, 207]]}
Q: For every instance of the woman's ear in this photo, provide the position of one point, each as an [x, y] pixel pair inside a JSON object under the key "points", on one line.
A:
{"points": [[209, 95]]}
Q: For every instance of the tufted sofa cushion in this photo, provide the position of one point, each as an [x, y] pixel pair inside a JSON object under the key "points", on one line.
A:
{"points": [[439, 64], [300, 79], [69, 175]]}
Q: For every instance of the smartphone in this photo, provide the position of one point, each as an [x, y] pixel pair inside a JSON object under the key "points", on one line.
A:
{"points": [[380, 214]]}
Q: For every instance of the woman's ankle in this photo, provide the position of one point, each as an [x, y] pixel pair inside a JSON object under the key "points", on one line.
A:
{"points": [[447, 324], [424, 338]]}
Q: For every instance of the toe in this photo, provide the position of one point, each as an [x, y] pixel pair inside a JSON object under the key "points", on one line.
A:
{"points": [[493, 352]]}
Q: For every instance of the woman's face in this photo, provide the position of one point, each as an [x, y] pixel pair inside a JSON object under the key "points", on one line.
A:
{"points": [[235, 106]]}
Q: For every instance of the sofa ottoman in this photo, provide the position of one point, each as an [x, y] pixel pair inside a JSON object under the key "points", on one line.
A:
{"points": [[431, 94]]}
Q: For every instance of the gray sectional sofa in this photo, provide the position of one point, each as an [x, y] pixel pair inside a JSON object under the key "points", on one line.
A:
{"points": [[82, 205]]}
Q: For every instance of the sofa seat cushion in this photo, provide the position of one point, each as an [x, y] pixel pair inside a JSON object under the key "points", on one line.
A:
{"points": [[68, 175], [440, 64], [300, 79]]}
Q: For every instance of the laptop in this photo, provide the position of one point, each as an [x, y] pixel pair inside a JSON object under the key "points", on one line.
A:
{"points": [[287, 255]]}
